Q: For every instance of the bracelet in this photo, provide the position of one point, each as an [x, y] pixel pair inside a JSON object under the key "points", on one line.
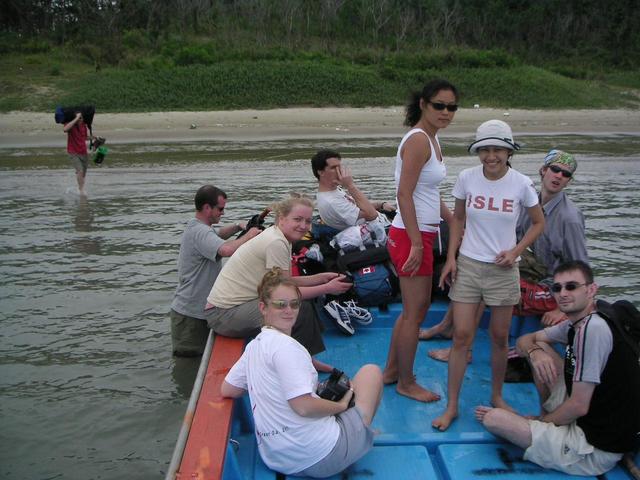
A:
{"points": [[533, 349]]}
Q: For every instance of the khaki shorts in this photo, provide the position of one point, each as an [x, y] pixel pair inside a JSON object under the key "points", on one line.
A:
{"points": [[80, 162], [565, 447], [482, 281], [354, 442], [188, 335]]}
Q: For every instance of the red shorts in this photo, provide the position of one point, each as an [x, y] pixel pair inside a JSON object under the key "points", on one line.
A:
{"points": [[399, 246], [535, 299]]}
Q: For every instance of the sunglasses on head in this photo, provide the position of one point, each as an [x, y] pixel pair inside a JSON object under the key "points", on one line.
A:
{"points": [[442, 106], [557, 169], [282, 304], [569, 286]]}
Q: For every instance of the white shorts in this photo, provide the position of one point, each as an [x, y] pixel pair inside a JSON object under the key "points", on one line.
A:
{"points": [[565, 447]]}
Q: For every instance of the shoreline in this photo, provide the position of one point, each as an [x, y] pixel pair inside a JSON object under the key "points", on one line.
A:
{"points": [[35, 130]]}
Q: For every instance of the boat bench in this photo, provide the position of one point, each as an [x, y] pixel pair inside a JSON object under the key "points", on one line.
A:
{"points": [[450, 462], [501, 460], [403, 461]]}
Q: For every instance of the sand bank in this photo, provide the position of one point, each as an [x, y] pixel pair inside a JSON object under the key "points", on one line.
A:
{"points": [[28, 129]]}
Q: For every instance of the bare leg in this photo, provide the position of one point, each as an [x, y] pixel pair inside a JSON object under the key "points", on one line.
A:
{"points": [[544, 389], [390, 373], [505, 424], [499, 332], [416, 294], [367, 386], [80, 177], [442, 354], [464, 330], [442, 329]]}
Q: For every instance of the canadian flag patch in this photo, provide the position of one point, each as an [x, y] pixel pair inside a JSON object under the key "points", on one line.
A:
{"points": [[367, 270]]}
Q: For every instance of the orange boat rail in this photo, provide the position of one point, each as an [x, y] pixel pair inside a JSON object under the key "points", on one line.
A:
{"points": [[206, 446]]}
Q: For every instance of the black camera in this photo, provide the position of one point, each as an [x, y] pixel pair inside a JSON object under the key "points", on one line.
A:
{"points": [[334, 387]]}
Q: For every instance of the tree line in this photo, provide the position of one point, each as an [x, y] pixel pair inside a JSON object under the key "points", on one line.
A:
{"points": [[609, 31]]}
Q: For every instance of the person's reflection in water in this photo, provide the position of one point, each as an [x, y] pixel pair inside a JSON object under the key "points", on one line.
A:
{"points": [[184, 373], [83, 222]]}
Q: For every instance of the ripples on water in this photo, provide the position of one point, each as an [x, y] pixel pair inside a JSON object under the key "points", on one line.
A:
{"points": [[89, 388]]}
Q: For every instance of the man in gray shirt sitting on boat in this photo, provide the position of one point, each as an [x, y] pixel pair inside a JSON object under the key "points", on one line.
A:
{"points": [[340, 202], [562, 240], [588, 400], [199, 263]]}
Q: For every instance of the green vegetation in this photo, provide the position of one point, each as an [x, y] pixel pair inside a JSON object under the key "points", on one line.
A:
{"points": [[145, 55]]}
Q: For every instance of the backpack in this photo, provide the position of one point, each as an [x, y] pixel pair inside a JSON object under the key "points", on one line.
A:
{"points": [[624, 320], [66, 114]]}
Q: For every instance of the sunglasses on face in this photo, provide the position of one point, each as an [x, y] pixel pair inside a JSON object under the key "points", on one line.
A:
{"points": [[441, 106], [557, 169], [220, 209], [282, 304], [569, 286]]}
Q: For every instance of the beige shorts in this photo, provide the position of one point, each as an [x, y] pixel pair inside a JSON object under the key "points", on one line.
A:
{"points": [[80, 162], [565, 447], [476, 281]]}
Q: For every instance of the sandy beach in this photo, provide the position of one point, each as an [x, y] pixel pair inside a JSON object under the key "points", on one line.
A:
{"points": [[29, 129]]}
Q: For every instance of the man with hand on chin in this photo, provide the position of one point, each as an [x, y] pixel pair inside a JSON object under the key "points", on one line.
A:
{"points": [[340, 202], [586, 399]]}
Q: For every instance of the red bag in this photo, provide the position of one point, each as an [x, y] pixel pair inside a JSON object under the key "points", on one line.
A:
{"points": [[535, 299]]}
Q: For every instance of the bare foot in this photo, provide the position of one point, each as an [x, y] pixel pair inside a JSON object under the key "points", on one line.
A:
{"points": [[437, 331], [321, 366], [499, 402], [443, 421], [481, 411], [416, 392], [442, 354]]}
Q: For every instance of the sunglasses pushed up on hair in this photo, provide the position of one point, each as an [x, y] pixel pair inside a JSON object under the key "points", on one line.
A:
{"points": [[442, 106], [557, 169], [569, 286]]}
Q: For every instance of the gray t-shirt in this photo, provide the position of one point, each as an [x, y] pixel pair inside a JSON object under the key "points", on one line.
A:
{"points": [[198, 268], [592, 345]]}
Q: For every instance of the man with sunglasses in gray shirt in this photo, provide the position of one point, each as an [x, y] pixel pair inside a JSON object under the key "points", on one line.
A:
{"points": [[199, 263]]}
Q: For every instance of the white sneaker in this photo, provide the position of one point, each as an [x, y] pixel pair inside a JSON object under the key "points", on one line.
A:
{"points": [[341, 317], [359, 314]]}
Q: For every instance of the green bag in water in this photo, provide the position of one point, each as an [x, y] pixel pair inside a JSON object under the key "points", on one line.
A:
{"points": [[98, 157]]}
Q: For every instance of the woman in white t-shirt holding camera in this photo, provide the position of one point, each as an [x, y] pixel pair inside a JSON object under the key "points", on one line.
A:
{"points": [[488, 200], [297, 431]]}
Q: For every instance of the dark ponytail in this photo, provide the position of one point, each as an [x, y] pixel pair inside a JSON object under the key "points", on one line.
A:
{"points": [[413, 111]]}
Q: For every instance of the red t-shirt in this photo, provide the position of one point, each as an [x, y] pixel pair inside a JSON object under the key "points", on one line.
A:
{"points": [[77, 139]]}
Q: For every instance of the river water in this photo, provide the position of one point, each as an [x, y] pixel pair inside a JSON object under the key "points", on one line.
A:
{"points": [[88, 387]]}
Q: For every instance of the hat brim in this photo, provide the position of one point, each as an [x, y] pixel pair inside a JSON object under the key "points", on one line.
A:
{"points": [[493, 142]]}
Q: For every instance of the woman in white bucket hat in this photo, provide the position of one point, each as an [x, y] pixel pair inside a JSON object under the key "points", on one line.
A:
{"points": [[488, 200], [419, 170]]}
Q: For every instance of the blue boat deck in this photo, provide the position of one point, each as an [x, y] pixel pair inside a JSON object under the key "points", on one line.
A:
{"points": [[406, 446]]}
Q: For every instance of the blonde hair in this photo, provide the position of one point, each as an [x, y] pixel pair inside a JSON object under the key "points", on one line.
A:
{"points": [[273, 279], [283, 208]]}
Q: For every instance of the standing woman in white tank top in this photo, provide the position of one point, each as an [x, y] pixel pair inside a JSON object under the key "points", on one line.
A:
{"points": [[419, 170]]}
